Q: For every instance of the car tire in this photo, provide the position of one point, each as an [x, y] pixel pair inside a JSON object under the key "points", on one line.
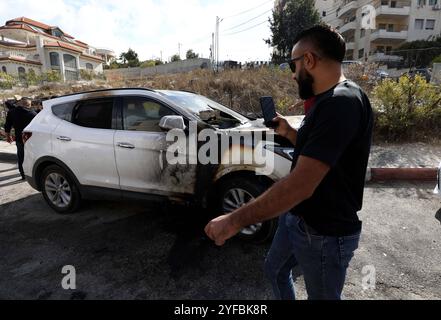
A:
{"points": [[244, 189], [60, 190]]}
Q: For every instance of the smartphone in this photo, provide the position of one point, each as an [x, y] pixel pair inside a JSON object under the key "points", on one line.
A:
{"points": [[269, 111]]}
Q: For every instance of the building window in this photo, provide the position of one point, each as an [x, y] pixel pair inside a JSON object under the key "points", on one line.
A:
{"points": [[380, 49], [21, 73], [432, 2], [421, 3], [388, 50], [430, 24], [362, 33], [70, 61], [384, 2], [390, 28], [382, 26], [89, 66], [324, 14], [393, 4], [4, 69], [55, 59], [360, 53], [419, 23]]}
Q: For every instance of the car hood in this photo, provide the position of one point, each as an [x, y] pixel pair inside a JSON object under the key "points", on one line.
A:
{"points": [[258, 125]]}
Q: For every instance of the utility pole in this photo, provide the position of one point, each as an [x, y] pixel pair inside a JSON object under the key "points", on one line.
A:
{"points": [[218, 21], [179, 49], [212, 50], [161, 56]]}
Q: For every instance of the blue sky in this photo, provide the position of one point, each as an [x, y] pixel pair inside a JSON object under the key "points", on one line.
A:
{"points": [[153, 26]]}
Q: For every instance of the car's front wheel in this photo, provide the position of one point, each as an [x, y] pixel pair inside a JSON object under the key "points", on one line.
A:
{"points": [[59, 190], [235, 192]]}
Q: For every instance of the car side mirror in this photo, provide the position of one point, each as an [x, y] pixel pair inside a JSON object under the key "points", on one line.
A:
{"points": [[172, 122]]}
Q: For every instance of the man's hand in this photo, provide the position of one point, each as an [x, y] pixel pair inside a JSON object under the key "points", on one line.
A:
{"points": [[221, 229], [9, 138], [284, 129]]}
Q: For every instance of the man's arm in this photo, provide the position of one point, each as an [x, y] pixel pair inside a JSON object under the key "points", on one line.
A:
{"points": [[298, 186], [8, 127]]}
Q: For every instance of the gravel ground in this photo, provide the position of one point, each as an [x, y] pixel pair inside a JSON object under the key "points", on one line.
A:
{"points": [[142, 251]]}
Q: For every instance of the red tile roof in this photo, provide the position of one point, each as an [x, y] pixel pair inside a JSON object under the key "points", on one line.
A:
{"points": [[20, 59], [84, 55], [31, 22], [60, 44], [17, 23]]}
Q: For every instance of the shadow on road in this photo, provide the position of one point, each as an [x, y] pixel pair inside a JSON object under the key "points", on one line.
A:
{"points": [[10, 169], [438, 216]]}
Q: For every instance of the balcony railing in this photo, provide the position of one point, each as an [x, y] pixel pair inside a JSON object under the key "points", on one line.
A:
{"points": [[389, 35], [389, 11], [348, 9], [348, 27]]}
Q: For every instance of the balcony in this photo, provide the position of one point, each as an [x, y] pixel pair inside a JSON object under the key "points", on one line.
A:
{"points": [[350, 26], [389, 12], [350, 45], [390, 36], [384, 57], [348, 9]]}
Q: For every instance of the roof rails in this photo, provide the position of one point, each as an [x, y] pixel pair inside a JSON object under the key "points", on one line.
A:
{"points": [[103, 90]]}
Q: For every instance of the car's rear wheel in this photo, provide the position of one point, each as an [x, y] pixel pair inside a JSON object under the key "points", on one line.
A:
{"points": [[237, 191], [59, 190]]}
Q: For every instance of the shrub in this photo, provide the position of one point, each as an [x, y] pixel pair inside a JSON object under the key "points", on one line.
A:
{"points": [[32, 78], [6, 81], [52, 76], [86, 74], [406, 110]]}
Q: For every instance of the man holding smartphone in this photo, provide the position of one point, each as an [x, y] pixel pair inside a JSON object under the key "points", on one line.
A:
{"points": [[317, 203]]}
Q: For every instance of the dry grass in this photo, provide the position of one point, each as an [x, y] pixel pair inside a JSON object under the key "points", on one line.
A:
{"points": [[237, 89]]}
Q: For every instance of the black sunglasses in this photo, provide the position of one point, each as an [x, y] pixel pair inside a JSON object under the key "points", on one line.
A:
{"points": [[292, 63]]}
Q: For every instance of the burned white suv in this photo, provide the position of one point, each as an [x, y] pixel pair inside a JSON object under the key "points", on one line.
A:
{"points": [[114, 144]]}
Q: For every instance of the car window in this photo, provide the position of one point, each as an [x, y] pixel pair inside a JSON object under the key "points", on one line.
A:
{"points": [[64, 111], [143, 114], [94, 114]]}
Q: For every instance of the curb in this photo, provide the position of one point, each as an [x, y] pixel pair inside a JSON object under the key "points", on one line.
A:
{"points": [[401, 174], [8, 157], [372, 174]]}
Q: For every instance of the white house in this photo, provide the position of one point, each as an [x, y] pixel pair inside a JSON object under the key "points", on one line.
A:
{"points": [[373, 29], [26, 44]]}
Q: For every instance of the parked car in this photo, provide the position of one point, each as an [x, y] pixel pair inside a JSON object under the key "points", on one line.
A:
{"points": [[424, 72], [111, 144], [381, 74]]}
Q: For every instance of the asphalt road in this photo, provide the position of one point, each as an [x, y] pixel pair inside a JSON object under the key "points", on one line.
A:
{"points": [[148, 251]]}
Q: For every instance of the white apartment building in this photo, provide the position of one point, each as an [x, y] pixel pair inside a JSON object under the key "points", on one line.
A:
{"points": [[373, 29], [27, 44]]}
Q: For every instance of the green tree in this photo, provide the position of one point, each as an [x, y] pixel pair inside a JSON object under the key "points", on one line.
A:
{"points": [[419, 53], [191, 55], [130, 58], [175, 58], [287, 23]]}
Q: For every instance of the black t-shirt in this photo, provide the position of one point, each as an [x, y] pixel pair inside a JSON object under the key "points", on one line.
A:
{"points": [[18, 118], [337, 131]]}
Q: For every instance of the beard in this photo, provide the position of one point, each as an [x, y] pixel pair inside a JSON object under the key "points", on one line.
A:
{"points": [[305, 82]]}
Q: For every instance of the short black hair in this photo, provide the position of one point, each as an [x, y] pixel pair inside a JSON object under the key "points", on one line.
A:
{"points": [[326, 41]]}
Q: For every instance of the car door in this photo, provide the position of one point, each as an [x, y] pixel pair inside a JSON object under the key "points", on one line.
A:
{"points": [[141, 151], [85, 143]]}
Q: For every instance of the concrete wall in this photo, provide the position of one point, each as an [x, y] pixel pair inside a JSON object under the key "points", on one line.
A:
{"points": [[173, 67]]}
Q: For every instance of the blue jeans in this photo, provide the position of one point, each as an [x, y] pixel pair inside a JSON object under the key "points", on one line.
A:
{"points": [[323, 260]]}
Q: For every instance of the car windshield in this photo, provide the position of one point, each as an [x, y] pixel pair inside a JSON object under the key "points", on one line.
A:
{"points": [[205, 109]]}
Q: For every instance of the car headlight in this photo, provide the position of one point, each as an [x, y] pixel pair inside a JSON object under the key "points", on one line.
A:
{"points": [[285, 152]]}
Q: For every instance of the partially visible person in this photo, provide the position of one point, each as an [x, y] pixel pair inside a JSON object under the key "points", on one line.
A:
{"points": [[19, 118]]}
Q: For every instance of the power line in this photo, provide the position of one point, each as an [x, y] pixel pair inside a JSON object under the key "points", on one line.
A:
{"points": [[246, 11], [230, 34], [248, 20]]}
